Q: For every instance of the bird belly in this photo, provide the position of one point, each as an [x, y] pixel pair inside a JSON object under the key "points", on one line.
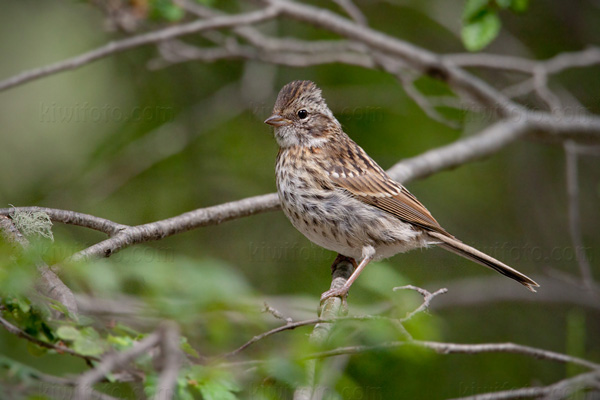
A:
{"points": [[336, 221]]}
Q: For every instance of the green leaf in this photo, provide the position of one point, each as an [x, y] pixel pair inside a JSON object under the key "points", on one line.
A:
{"points": [[213, 384], [120, 342], [479, 33], [187, 348], [89, 342], [519, 5], [474, 9], [23, 304], [88, 346], [217, 390], [183, 389], [166, 9], [68, 333]]}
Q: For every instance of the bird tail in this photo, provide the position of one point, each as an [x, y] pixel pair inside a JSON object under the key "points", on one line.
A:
{"points": [[456, 246]]}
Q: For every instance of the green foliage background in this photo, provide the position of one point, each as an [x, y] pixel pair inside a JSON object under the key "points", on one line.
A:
{"points": [[120, 141]]}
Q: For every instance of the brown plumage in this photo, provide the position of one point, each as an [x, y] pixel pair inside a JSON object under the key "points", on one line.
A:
{"points": [[341, 199]]}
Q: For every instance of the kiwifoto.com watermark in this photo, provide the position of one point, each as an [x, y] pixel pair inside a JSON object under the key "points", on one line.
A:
{"points": [[85, 113], [530, 252]]}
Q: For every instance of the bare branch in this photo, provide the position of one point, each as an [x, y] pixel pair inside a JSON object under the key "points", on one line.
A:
{"points": [[140, 40], [572, 181], [286, 327], [276, 313], [49, 283], [468, 292], [577, 59], [181, 223], [71, 218], [456, 348], [353, 11], [170, 355], [429, 109], [112, 362], [274, 44], [489, 141], [331, 308], [427, 298], [559, 390], [174, 53], [51, 384], [491, 61], [421, 60], [540, 84]]}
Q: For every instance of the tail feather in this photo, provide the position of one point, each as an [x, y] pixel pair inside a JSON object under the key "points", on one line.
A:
{"points": [[456, 246]]}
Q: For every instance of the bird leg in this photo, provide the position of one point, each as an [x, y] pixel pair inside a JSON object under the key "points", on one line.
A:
{"points": [[340, 258], [368, 254]]}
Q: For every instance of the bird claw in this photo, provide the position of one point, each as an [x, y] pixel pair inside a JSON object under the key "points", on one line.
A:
{"points": [[341, 292]]}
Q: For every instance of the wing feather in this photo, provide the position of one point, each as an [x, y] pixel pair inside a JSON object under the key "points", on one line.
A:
{"points": [[368, 182]]}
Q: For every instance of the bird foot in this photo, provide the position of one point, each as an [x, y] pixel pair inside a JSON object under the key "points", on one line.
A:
{"points": [[341, 292]]}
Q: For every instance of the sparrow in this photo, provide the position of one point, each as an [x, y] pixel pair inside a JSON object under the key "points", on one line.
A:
{"points": [[342, 200]]}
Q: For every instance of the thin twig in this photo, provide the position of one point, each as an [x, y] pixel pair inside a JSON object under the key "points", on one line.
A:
{"points": [[51, 384], [427, 298], [540, 84], [58, 348], [421, 60], [572, 181], [140, 40], [271, 332], [276, 313], [559, 390], [425, 105], [353, 11], [576, 59], [112, 362], [71, 218], [171, 357], [456, 348]]}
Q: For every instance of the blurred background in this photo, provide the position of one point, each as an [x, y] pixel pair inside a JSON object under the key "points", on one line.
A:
{"points": [[133, 140]]}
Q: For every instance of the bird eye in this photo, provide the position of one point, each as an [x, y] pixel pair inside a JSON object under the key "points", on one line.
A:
{"points": [[302, 114]]}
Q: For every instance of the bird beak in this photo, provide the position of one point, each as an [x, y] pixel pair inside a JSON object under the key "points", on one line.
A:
{"points": [[277, 120]]}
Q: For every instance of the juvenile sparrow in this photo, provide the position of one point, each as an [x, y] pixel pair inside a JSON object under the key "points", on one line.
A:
{"points": [[340, 199]]}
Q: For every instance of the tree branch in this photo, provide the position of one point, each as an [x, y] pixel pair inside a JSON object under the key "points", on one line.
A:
{"points": [[181, 223], [576, 59], [110, 362], [49, 283], [331, 308], [422, 60], [71, 218], [456, 348], [47, 381], [572, 181], [559, 390], [427, 298], [141, 40], [489, 141], [171, 357]]}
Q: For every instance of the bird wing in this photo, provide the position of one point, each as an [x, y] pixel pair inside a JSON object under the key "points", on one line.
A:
{"points": [[368, 182]]}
